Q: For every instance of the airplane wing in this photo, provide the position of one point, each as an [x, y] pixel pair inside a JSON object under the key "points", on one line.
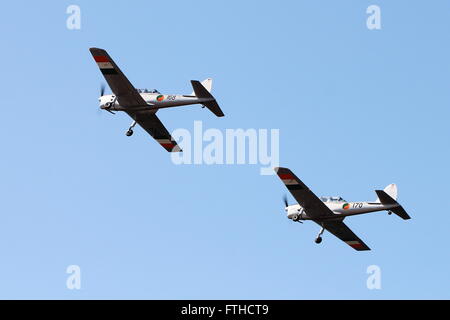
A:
{"points": [[340, 230], [126, 94], [150, 122], [131, 100], [313, 206]]}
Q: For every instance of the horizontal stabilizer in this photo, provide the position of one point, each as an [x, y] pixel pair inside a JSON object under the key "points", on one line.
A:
{"points": [[388, 200], [202, 93]]}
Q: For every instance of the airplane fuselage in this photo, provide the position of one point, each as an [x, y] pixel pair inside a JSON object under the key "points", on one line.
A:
{"points": [[153, 100], [340, 209]]}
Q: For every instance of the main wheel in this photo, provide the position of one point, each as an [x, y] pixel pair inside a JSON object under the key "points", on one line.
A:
{"points": [[318, 240], [129, 133]]}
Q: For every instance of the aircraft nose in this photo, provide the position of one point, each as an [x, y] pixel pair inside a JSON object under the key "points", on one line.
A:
{"points": [[102, 103]]}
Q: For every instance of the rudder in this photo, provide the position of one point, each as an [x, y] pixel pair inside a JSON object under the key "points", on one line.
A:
{"points": [[207, 83], [391, 190]]}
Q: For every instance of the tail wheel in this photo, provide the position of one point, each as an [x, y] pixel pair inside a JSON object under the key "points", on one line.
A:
{"points": [[318, 240]]}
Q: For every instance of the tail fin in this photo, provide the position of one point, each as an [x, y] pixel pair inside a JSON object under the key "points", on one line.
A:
{"points": [[207, 83], [202, 92], [391, 190], [387, 199]]}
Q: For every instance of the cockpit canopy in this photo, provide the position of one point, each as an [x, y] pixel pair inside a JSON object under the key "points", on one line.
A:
{"points": [[332, 199], [147, 91]]}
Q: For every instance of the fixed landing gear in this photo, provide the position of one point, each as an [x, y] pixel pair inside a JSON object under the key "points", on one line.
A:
{"points": [[319, 238], [129, 133]]}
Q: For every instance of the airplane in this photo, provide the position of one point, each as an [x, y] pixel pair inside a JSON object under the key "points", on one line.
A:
{"points": [[142, 104], [329, 212]]}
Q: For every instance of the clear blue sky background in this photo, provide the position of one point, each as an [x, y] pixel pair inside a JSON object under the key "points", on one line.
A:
{"points": [[357, 110]]}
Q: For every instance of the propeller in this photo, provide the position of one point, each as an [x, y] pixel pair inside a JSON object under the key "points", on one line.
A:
{"points": [[285, 200], [102, 89], [102, 93]]}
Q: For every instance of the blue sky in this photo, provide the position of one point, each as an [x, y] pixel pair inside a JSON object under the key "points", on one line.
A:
{"points": [[357, 110]]}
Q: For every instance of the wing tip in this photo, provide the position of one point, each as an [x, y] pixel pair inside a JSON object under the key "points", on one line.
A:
{"points": [[358, 245], [172, 147], [284, 171], [95, 51]]}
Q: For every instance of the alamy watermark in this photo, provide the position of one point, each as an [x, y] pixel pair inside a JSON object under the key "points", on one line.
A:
{"points": [[374, 279], [73, 21], [374, 20], [74, 279], [234, 146]]}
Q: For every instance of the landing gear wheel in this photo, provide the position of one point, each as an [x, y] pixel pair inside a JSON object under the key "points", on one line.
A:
{"points": [[318, 240], [129, 133]]}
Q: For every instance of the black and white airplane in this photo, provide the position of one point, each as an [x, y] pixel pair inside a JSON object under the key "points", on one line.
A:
{"points": [[142, 104], [329, 212]]}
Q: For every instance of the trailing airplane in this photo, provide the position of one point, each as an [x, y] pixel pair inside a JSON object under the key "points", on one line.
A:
{"points": [[142, 104], [329, 212]]}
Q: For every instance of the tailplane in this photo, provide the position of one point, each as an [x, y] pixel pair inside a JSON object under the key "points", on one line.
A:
{"points": [[202, 91], [388, 199]]}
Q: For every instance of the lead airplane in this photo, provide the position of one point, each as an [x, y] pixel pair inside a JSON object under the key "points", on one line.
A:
{"points": [[142, 105], [329, 212]]}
